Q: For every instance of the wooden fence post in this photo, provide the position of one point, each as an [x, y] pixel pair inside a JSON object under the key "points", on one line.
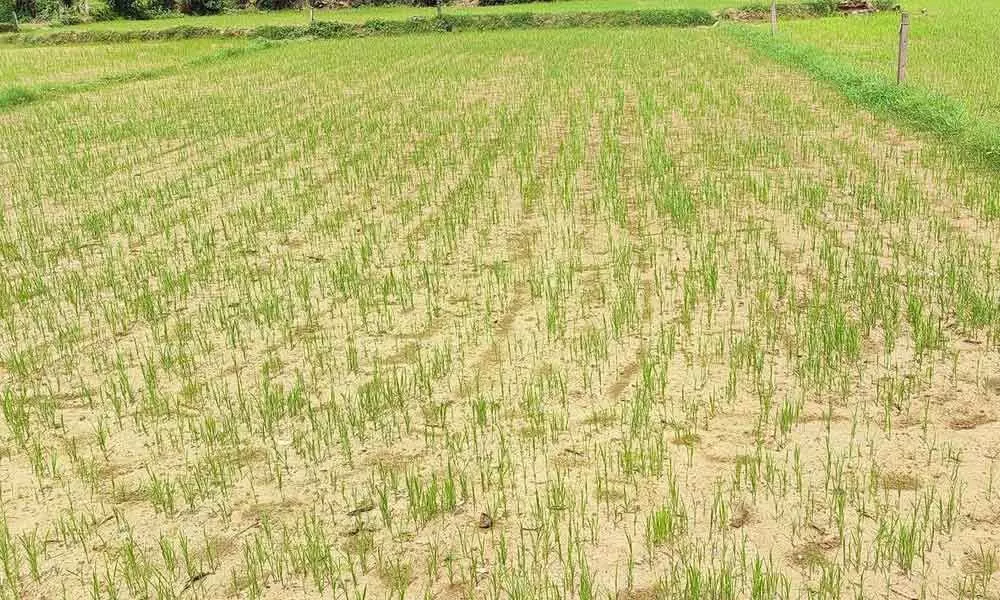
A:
{"points": [[904, 46], [774, 17]]}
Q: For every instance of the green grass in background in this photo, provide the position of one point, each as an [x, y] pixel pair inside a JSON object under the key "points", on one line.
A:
{"points": [[953, 47], [914, 106]]}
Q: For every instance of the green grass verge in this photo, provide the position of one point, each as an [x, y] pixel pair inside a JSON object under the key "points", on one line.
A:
{"points": [[332, 29], [912, 106]]}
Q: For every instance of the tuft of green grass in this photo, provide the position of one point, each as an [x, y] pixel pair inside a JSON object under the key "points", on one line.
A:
{"points": [[16, 95]]}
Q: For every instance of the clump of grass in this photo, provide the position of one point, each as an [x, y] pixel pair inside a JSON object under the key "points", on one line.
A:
{"points": [[898, 481], [809, 556], [13, 96]]}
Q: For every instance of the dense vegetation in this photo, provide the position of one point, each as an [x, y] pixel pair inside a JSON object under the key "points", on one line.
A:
{"points": [[78, 11], [74, 12], [414, 25]]}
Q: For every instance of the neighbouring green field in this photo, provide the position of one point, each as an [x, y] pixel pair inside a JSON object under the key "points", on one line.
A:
{"points": [[33, 66], [953, 47], [629, 313], [247, 19]]}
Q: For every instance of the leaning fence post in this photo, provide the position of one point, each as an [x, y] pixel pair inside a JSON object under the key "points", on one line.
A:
{"points": [[904, 43], [774, 16]]}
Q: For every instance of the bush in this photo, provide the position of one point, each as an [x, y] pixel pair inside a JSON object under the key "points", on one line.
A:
{"points": [[358, 3], [201, 7], [822, 7], [276, 4], [100, 11], [46, 9], [7, 12], [501, 2], [159, 7], [762, 10], [130, 9], [71, 19], [23, 8]]}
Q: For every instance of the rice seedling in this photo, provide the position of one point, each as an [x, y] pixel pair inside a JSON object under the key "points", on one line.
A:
{"points": [[616, 313]]}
